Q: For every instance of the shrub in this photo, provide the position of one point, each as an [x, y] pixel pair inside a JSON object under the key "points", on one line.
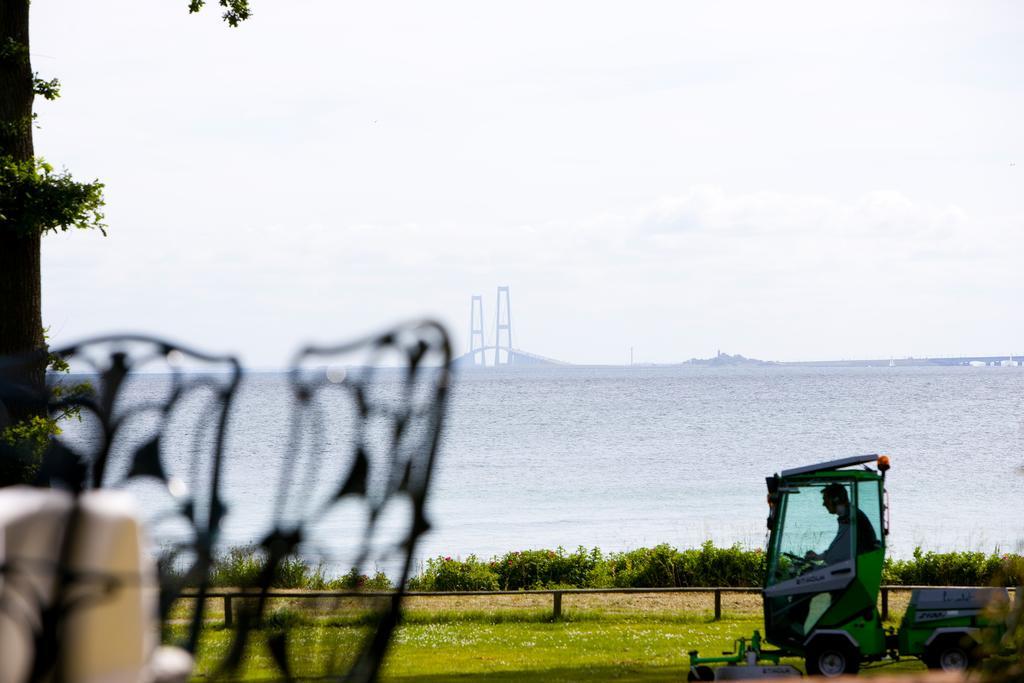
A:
{"points": [[294, 572], [1011, 573], [645, 567], [953, 569], [240, 567], [657, 567], [353, 580], [664, 566], [711, 566], [536, 569], [446, 574], [600, 576]]}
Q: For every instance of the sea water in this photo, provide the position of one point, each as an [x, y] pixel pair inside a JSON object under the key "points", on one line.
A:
{"points": [[621, 458]]}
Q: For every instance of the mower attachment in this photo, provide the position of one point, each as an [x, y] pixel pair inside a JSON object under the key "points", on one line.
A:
{"points": [[740, 664]]}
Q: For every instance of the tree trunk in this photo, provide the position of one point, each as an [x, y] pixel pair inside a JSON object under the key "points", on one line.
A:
{"points": [[21, 326], [16, 87]]}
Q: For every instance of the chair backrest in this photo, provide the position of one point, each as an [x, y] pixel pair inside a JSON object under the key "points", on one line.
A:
{"points": [[364, 428], [121, 397], [364, 433]]}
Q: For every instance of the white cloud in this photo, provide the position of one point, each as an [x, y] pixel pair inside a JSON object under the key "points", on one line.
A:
{"points": [[707, 262], [329, 167]]}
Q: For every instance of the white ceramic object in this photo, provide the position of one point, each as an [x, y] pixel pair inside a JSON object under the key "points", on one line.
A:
{"points": [[110, 635]]}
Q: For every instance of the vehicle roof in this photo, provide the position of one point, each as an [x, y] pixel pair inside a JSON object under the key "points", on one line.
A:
{"points": [[833, 475], [831, 466]]}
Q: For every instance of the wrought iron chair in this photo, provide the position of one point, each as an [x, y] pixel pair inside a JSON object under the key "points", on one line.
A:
{"points": [[380, 459], [121, 438], [396, 385]]}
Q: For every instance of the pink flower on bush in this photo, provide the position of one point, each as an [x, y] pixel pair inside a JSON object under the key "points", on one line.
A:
{"points": [[448, 558]]}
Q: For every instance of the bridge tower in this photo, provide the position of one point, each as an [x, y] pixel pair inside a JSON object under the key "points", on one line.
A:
{"points": [[505, 327], [476, 330]]}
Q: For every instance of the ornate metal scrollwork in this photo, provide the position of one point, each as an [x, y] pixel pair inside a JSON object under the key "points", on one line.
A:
{"points": [[397, 393], [121, 439], [156, 415]]}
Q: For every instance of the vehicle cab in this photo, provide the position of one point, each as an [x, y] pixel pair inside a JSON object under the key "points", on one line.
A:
{"points": [[825, 554]]}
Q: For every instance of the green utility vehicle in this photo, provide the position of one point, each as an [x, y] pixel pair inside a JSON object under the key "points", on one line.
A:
{"points": [[825, 553]]}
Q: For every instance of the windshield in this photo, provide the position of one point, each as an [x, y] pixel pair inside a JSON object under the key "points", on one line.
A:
{"points": [[813, 531]]}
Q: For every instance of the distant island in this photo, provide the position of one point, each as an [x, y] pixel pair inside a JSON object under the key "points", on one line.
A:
{"points": [[516, 359], [724, 359], [1007, 361]]}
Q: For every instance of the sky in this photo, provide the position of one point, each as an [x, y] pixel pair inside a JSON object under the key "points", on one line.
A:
{"points": [[783, 180]]}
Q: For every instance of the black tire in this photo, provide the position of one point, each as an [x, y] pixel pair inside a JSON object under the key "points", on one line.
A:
{"points": [[701, 673], [951, 653], [831, 657]]}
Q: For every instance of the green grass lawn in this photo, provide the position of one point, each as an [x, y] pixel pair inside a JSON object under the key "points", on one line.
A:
{"points": [[514, 646]]}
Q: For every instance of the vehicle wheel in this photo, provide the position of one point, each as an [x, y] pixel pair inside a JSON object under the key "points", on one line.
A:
{"points": [[948, 654], [701, 673], [831, 658]]}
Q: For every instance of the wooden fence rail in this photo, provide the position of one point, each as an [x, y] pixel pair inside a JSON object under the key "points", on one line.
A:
{"points": [[228, 596]]}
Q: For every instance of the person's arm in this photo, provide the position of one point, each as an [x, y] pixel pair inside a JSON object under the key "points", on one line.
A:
{"points": [[839, 549]]}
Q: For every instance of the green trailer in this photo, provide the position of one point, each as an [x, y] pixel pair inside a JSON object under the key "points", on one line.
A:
{"points": [[828, 525], [945, 628]]}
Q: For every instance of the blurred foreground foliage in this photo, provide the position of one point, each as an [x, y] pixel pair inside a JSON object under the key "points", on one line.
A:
{"points": [[1007, 669]]}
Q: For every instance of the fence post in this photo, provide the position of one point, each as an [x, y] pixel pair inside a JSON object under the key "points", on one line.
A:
{"points": [[885, 603], [228, 616], [556, 604], [718, 604]]}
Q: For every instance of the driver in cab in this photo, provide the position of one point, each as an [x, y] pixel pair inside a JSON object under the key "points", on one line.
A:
{"points": [[837, 501]]}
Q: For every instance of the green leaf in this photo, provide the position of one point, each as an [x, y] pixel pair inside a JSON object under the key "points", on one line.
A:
{"points": [[35, 199], [49, 90]]}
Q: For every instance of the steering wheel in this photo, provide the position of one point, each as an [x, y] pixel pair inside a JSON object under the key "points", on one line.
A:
{"points": [[802, 563]]}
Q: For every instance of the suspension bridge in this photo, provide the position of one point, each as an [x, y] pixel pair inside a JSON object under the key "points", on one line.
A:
{"points": [[500, 353]]}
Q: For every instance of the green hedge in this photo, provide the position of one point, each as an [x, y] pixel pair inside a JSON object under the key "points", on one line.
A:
{"points": [[664, 566], [954, 569], [446, 574], [659, 567], [532, 569], [241, 567]]}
